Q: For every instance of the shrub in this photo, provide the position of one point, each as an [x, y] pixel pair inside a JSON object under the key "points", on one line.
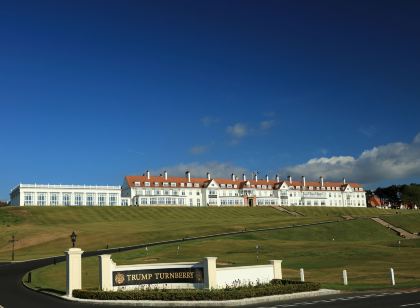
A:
{"points": [[274, 288]]}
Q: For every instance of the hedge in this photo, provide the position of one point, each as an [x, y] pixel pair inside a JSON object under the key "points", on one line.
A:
{"points": [[274, 288]]}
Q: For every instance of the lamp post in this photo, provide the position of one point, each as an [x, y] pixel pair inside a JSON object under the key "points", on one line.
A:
{"points": [[73, 237]]}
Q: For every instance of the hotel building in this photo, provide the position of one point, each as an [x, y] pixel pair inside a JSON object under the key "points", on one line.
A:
{"points": [[39, 194], [148, 190]]}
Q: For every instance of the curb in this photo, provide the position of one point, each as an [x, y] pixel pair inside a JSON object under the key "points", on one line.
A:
{"points": [[235, 302]]}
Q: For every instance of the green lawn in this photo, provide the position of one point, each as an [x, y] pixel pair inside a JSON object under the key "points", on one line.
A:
{"points": [[45, 231], [363, 247], [407, 221]]}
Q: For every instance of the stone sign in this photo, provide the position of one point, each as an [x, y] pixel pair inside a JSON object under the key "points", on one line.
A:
{"points": [[158, 275]]}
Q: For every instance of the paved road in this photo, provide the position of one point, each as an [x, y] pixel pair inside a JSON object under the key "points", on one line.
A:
{"points": [[386, 299]]}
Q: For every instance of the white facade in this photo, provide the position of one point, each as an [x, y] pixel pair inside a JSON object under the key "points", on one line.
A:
{"points": [[187, 191], [147, 190], [67, 195]]}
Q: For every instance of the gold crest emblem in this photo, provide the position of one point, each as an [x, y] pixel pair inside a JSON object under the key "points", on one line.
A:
{"points": [[119, 278], [198, 276]]}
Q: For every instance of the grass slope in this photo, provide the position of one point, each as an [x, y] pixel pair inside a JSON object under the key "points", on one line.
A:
{"points": [[363, 247], [44, 231], [409, 221]]}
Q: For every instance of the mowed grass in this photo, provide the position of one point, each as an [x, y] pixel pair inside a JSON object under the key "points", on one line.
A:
{"points": [[318, 211], [363, 247], [45, 231], [407, 221]]}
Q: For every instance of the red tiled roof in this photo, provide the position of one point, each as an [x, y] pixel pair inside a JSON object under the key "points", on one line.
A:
{"points": [[203, 182]]}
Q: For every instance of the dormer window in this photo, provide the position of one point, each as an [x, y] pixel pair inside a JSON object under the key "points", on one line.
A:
{"points": [[223, 185], [136, 183], [165, 184], [196, 185], [235, 186], [173, 184], [182, 184], [146, 183], [229, 185], [156, 183]]}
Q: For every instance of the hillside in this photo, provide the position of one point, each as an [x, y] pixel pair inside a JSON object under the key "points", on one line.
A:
{"points": [[45, 231]]}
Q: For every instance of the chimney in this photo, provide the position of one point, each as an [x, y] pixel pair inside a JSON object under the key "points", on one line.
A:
{"points": [[344, 181], [188, 176], [233, 177], [277, 178], [148, 174], [266, 177], [321, 179], [290, 179], [256, 177], [208, 176], [303, 181], [243, 176], [165, 174]]}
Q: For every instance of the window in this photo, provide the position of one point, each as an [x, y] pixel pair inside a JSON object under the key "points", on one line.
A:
{"points": [[113, 199], [153, 201], [173, 184], [66, 199], [156, 183], [54, 199], [143, 200], [181, 201], [42, 198], [146, 183], [191, 202], [198, 202], [168, 200], [136, 183], [196, 185], [166, 192], [161, 200], [101, 199], [28, 198], [78, 199], [157, 192], [90, 199], [165, 184], [198, 193], [124, 202]]}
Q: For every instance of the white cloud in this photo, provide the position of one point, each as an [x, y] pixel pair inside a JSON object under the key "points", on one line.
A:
{"points": [[237, 130], [216, 169], [267, 124], [386, 162], [199, 149]]}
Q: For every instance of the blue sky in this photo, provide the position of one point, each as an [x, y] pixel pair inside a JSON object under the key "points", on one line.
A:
{"points": [[91, 91]]}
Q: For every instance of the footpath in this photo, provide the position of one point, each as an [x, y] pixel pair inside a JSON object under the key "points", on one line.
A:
{"points": [[401, 232]]}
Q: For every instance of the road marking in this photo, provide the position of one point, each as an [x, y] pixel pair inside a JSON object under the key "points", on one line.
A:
{"points": [[408, 305], [351, 298]]}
